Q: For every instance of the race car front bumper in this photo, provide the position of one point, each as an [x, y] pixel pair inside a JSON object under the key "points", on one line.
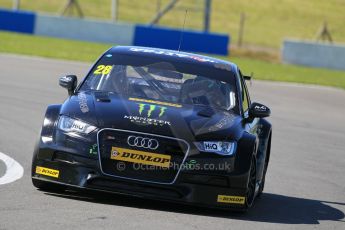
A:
{"points": [[205, 188]]}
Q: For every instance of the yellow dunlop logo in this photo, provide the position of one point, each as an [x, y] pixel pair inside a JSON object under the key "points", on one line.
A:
{"points": [[231, 199], [155, 102], [47, 172], [140, 157]]}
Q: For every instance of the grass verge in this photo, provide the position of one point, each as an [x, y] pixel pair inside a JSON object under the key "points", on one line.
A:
{"points": [[50, 47]]}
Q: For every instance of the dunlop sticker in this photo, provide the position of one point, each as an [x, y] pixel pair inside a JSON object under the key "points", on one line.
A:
{"points": [[231, 199], [47, 172], [140, 157]]}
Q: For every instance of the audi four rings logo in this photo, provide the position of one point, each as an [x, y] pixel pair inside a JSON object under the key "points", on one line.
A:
{"points": [[142, 142]]}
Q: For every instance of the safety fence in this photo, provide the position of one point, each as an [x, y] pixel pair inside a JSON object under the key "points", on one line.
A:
{"points": [[314, 54], [115, 33]]}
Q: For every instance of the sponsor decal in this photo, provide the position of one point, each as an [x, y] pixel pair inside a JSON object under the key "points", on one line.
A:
{"points": [[146, 121], [103, 69], [172, 54], [149, 115], [78, 126], [223, 123], [93, 150], [66, 79], [155, 102], [150, 109], [223, 66], [83, 102], [260, 108], [231, 199], [217, 146], [47, 172], [135, 156]]}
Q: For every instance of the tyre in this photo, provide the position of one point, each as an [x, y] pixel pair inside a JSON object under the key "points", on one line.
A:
{"points": [[262, 184], [250, 194]]}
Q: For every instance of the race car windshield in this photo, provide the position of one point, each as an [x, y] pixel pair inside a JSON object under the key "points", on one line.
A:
{"points": [[161, 81]]}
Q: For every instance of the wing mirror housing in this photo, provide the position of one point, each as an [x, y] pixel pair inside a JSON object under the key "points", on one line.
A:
{"points": [[257, 110], [69, 82]]}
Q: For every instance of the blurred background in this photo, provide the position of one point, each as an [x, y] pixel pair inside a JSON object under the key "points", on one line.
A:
{"points": [[261, 35]]}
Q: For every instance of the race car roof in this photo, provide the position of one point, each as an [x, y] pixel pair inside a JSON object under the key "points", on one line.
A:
{"points": [[176, 56]]}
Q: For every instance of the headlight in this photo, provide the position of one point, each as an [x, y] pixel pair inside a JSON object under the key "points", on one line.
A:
{"points": [[219, 147], [71, 125]]}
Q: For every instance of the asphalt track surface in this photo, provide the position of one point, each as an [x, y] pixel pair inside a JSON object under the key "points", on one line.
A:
{"points": [[305, 186]]}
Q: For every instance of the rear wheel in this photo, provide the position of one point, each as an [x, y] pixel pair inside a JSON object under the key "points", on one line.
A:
{"points": [[47, 186]]}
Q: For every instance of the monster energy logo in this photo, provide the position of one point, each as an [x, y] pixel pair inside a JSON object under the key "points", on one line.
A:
{"points": [[151, 109]]}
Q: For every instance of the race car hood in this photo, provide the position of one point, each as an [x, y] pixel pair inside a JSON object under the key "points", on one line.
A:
{"points": [[188, 122]]}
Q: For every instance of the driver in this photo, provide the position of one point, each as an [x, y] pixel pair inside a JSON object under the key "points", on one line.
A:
{"points": [[202, 90]]}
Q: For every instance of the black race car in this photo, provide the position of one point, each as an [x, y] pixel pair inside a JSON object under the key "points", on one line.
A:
{"points": [[158, 124]]}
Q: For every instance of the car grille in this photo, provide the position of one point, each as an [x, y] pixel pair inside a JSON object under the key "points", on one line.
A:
{"points": [[139, 160]]}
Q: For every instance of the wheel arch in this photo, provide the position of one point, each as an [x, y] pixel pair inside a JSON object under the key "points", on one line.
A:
{"points": [[47, 130], [247, 147], [50, 120]]}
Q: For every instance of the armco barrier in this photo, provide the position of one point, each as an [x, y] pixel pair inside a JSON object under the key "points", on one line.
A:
{"points": [[314, 54], [170, 38], [83, 29], [17, 21], [113, 33]]}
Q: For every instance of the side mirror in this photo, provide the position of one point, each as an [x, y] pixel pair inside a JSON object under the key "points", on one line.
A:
{"points": [[257, 110], [247, 78], [69, 82]]}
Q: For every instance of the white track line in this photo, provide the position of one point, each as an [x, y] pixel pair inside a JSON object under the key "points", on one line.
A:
{"points": [[14, 170]]}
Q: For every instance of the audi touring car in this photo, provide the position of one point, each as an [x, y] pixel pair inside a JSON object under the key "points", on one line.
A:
{"points": [[158, 124]]}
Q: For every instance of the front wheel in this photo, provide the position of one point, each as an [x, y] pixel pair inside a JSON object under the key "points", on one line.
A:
{"points": [[250, 194], [262, 184]]}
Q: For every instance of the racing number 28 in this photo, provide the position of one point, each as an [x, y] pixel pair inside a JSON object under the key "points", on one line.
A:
{"points": [[103, 69]]}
